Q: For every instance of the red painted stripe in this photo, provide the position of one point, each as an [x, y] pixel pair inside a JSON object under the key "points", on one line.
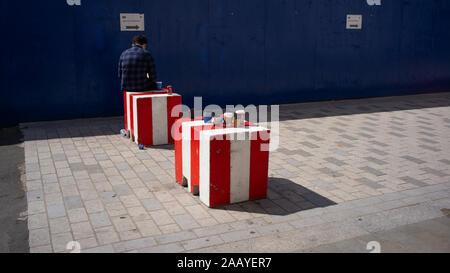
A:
{"points": [[219, 172], [131, 98], [259, 167], [131, 116], [125, 110], [177, 135], [195, 153], [145, 121], [173, 103]]}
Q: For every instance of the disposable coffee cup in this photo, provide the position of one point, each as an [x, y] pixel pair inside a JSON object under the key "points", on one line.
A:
{"points": [[228, 118], [218, 121], [240, 118]]}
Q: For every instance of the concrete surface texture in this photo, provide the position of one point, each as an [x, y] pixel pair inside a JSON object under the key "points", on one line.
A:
{"points": [[13, 201], [346, 172]]}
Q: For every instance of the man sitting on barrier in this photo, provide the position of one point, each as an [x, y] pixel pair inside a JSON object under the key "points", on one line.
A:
{"points": [[137, 67]]}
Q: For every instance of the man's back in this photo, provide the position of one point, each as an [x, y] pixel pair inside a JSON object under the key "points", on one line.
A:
{"points": [[134, 65]]}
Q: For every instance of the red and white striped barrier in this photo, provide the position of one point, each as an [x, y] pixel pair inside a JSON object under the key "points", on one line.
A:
{"points": [[186, 151], [189, 148], [233, 165], [194, 180], [178, 138], [152, 118], [128, 107]]}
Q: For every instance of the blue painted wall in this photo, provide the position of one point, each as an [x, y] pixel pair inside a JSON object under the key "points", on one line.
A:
{"points": [[60, 61]]}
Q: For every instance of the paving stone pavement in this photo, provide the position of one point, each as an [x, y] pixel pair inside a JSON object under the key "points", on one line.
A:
{"points": [[429, 236], [343, 169]]}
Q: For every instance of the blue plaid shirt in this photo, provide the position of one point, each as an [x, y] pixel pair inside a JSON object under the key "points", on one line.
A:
{"points": [[134, 65]]}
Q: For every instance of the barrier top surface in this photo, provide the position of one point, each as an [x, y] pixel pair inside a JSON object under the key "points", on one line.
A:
{"points": [[226, 131], [137, 96]]}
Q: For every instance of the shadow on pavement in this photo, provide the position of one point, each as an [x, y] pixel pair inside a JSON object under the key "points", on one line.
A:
{"points": [[100, 127], [284, 197], [169, 147]]}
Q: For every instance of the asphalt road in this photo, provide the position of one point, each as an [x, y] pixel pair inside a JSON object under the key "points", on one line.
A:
{"points": [[13, 201]]}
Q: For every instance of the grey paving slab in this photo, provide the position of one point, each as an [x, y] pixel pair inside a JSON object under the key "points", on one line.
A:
{"points": [[430, 148], [49, 178], [435, 172], [345, 144], [77, 166], [146, 176], [330, 172], [377, 143], [109, 197], [303, 153], [151, 204], [100, 249], [377, 151], [186, 221], [335, 161], [169, 248], [55, 211], [376, 160], [202, 242], [99, 219], [134, 244], [73, 202], [214, 230], [413, 159], [324, 185], [239, 235], [337, 129], [348, 137], [122, 190], [307, 222], [276, 228], [294, 162], [372, 171], [413, 181], [35, 195], [369, 183], [175, 237], [309, 144]]}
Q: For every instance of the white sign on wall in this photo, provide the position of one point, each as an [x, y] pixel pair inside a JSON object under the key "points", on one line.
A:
{"points": [[132, 22], [354, 21], [73, 2], [374, 2]]}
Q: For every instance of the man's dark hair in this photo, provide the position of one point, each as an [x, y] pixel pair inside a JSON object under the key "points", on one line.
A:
{"points": [[140, 40]]}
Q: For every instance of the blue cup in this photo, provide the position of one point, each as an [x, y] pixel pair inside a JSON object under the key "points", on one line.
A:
{"points": [[159, 85], [207, 117]]}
